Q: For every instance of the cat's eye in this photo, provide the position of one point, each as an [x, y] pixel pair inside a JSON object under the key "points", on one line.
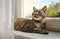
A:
{"points": [[36, 10]]}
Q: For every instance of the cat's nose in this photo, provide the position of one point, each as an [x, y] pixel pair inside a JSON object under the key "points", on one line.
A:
{"points": [[43, 16], [36, 16]]}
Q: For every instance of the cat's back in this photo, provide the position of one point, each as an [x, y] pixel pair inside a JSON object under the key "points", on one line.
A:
{"points": [[20, 23]]}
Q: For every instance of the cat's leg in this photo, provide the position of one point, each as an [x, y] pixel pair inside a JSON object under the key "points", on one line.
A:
{"points": [[43, 26], [38, 26], [36, 31], [27, 28], [44, 32]]}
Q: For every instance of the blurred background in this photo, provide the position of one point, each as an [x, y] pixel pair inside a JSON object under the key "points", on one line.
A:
{"points": [[53, 9]]}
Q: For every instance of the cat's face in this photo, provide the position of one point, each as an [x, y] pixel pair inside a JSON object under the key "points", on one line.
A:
{"points": [[38, 14]]}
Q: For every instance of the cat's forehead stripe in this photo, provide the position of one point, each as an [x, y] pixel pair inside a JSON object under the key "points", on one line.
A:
{"points": [[39, 9]]}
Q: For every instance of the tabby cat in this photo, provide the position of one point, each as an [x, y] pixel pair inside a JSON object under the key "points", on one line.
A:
{"points": [[35, 25]]}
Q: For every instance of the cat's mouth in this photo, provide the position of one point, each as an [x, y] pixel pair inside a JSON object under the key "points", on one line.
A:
{"points": [[37, 18]]}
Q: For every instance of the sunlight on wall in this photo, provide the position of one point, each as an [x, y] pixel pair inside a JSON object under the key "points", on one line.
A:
{"points": [[28, 7]]}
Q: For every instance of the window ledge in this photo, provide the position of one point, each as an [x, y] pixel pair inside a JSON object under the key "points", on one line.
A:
{"points": [[49, 18], [52, 17]]}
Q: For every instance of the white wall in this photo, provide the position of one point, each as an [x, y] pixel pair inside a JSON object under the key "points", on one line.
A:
{"points": [[28, 7], [19, 8], [23, 8]]}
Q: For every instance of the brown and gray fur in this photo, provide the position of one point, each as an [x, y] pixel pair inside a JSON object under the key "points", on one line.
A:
{"points": [[35, 25]]}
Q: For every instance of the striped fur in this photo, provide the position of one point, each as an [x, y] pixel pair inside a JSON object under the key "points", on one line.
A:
{"points": [[33, 25]]}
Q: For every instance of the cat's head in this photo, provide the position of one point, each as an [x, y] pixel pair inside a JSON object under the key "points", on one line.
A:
{"points": [[38, 14]]}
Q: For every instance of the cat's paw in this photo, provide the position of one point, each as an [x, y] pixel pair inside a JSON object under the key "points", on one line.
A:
{"points": [[37, 29], [44, 32]]}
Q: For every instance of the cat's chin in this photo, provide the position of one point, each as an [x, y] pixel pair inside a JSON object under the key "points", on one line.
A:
{"points": [[36, 19]]}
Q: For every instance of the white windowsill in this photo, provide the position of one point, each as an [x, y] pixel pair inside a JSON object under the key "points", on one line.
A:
{"points": [[49, 18], [52, 17]]}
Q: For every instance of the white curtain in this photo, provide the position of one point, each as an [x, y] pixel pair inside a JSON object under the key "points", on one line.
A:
{"points": [[6, 19]]}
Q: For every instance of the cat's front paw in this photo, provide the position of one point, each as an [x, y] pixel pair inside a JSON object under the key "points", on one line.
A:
{"points": [[44, 32], [37, 29]]}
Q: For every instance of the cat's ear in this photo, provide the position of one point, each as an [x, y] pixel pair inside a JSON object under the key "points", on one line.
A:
{"points": [[44, 9], [34, 9]]}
